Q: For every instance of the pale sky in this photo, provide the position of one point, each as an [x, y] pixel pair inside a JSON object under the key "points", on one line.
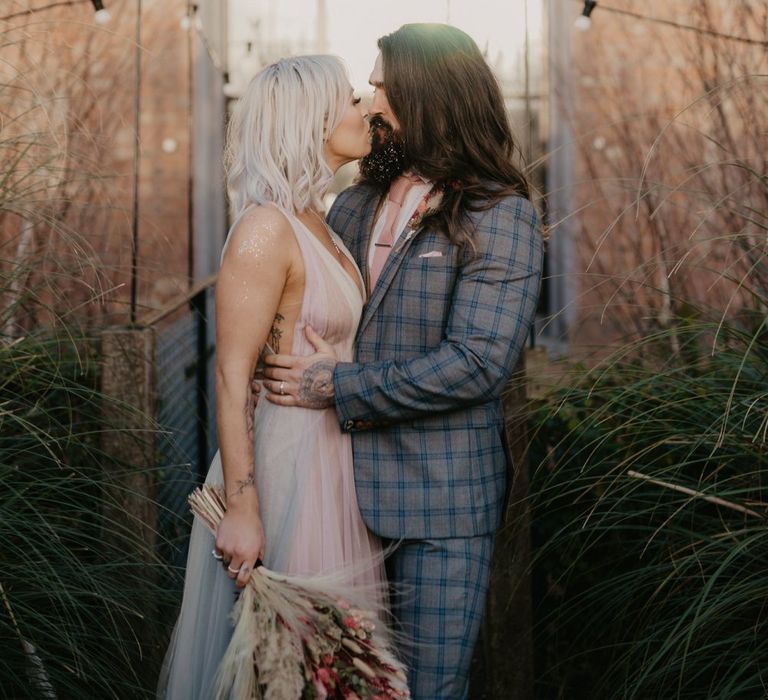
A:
{"points": [[290, 26]]}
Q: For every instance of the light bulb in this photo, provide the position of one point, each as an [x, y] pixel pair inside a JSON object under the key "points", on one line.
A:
{"points": [[231, 90], [102, 17], [582, 23]]}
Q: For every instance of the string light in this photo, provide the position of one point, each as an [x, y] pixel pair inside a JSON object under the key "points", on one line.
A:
{"points": [[187, 20], [583, 21], [102, 15], [191, 20], [43, 8]]}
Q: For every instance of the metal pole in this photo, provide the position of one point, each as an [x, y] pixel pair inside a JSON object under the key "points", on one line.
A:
{"points": [[136, 167], [190, 151], [199, 305], [527, 89], [528, 121]]}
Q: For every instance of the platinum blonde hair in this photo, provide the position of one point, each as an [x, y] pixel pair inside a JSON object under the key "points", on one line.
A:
{"points": [[275, 140]]}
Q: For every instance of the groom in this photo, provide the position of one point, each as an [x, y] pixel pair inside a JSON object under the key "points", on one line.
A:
{"points": [[447, 242]]}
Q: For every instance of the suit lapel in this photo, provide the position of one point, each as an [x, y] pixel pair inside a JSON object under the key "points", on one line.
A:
{"points": [[394, 261], [366, 226]]}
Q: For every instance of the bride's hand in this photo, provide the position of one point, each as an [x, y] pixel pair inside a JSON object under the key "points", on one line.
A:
{"points": [[240, 541], [291, 380]]}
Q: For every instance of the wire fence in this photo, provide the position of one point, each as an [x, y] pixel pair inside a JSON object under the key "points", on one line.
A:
{"points": [[185, 413]]}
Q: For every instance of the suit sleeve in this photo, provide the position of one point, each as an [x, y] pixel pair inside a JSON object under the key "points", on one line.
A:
{"points": [[491, 310]]}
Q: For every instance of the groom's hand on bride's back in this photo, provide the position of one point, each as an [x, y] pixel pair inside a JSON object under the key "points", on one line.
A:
{"points": [[306, 381]]}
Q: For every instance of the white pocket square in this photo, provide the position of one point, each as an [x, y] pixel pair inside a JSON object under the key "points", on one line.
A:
{"points": [[432, 254]]}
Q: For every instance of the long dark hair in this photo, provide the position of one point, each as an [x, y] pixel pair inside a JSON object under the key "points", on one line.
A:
{"points": [[452, 120]]}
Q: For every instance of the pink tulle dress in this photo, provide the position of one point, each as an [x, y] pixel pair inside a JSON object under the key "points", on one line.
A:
{"points": [[306, 490]]}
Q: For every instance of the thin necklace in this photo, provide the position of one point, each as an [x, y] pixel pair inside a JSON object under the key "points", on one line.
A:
{"points": [[328, 231]]}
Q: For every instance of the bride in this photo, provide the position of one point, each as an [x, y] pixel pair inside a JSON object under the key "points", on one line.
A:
{"points": [[287, 472]]}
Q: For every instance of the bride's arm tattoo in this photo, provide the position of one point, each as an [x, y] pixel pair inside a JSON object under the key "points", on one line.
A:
{"points": [[250, 407], [316, 385], [276, 332], [242, 484], [250, 479]]}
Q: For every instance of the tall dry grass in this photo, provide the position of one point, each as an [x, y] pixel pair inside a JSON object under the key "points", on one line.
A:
{"points": [[650, 510]]}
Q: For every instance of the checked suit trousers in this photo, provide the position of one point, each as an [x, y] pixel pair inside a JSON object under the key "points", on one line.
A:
{"points": [[438, 603]]}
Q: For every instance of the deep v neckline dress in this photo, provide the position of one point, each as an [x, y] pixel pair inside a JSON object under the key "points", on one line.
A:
{"points": [[305, 481]]}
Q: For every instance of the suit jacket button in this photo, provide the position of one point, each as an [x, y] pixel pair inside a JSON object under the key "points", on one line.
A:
{"points": [[359, 424]]}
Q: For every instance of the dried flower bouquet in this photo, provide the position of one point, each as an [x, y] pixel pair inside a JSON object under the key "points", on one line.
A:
{"points": [[298, 637]]}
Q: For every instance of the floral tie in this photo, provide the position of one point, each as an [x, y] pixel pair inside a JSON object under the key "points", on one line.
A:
{"points": [[397, 193]]}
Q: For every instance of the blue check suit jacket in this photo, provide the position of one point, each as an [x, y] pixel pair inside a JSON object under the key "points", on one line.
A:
{"points": [[437, 342]]}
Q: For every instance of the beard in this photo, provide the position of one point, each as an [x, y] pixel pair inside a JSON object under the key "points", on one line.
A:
{"points": [[387, 158]]}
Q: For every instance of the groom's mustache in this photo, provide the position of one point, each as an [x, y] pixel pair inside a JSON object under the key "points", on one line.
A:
{"points": [[381, 133]]}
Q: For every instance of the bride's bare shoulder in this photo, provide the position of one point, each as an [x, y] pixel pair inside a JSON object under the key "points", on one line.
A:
{"points": [[262, 234]]}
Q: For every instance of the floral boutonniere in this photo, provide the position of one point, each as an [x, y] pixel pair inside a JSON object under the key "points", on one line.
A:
{"points": [[429, 204]]}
